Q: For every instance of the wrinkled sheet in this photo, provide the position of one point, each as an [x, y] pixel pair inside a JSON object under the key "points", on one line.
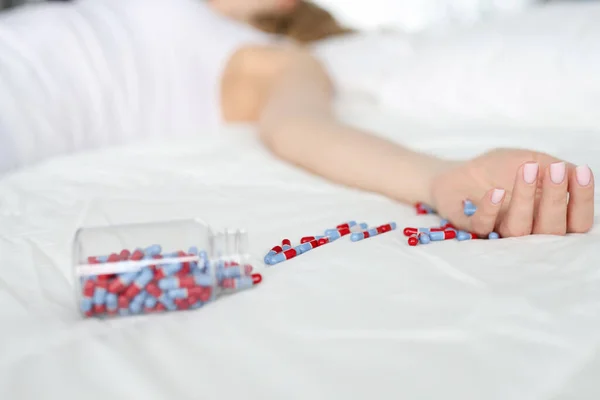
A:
{"points": [[508, 319]]}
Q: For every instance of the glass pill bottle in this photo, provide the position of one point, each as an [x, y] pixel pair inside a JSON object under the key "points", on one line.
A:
{"points": [[132, 269]]}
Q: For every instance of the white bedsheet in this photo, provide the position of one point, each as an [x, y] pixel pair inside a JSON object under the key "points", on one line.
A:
{"points": [[509, 319]]}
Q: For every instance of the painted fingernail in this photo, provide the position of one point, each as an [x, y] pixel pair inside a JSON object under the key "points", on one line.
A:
{"points": [[583, 174], [530, 172], [557, 172], [497, 196]]}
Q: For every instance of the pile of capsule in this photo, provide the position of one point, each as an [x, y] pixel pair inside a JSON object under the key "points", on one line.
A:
{"points": [[445, 231], [167, 282], [357, 232]]}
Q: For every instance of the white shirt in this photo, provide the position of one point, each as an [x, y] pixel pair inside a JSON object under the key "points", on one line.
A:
{"points": [[93, 73]]}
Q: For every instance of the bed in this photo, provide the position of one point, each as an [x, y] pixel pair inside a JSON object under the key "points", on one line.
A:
{"points": [[508, 319]]}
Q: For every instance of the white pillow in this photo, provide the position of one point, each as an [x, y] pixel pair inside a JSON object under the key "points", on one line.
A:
{"points": [[538, 68], [416, 15]]}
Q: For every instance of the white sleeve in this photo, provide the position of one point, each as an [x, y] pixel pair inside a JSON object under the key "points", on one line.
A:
{"points": [[96, 73]]}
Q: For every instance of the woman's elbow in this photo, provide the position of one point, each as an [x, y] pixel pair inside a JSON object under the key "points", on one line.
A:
{"points": [[272, 135]]}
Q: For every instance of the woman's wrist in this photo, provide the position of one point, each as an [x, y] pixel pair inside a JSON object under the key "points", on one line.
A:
{"points": [[414, 177]]}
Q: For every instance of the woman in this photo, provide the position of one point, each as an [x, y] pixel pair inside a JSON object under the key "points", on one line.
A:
{"points": [[102, 72]]}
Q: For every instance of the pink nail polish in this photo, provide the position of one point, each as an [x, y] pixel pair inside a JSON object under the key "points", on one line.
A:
{"points": [[530, 172], [557, 172], [497, 196], [583, 174]]}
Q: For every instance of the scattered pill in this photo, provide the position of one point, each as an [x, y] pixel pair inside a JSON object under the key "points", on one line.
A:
{"points": [[349, 224], [373, 232], [307, 246], [323, 240], [445, 230], [412, 231], [423, 208], [413, 240], [462, 235], [424, 238], [271, 253], [284, 255], [437, 236], [244, 282], [469, 208]]}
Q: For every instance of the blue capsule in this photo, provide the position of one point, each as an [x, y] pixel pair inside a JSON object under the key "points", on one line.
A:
{"points": [[444, 222], [167, 302], [193, 251], [244, 282], [333, 236], [204, 280], [203, 258], [174, 282], [145, 277], [277, 258], [196, 305], [140, 297], [127, 278], [172, 268], [135, 308], [493, 235], [280, 257], [424, 238], [150, 302], [136, 304], [469, 208], [268, 260], [99, 297], [427, 208], [179, 293], [229, 272], [169, 283], [332, 232], [86, 304], [462, 235], [112, 302], [356, 236], [470, 211], [304, 247], [153, 250]]}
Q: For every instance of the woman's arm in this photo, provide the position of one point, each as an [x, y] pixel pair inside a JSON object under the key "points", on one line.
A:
{"points": [[297, 123]]}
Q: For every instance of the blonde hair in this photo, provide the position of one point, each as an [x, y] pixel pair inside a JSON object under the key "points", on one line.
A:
{"points": [[306, 23]]}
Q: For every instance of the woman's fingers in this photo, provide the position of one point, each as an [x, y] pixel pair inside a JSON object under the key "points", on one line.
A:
{"points": [[551, 216], [580, 213], [518, 219], [484, 220]]}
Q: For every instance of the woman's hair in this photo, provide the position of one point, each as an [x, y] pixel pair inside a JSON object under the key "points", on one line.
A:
{"points": [[307, 23]]}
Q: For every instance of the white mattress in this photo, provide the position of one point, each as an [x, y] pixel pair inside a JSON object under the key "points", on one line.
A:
{"points": [[509, 319], [514, 319]]}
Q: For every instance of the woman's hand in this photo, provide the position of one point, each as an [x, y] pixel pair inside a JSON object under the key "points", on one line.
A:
{"points": [[517, 193]]}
